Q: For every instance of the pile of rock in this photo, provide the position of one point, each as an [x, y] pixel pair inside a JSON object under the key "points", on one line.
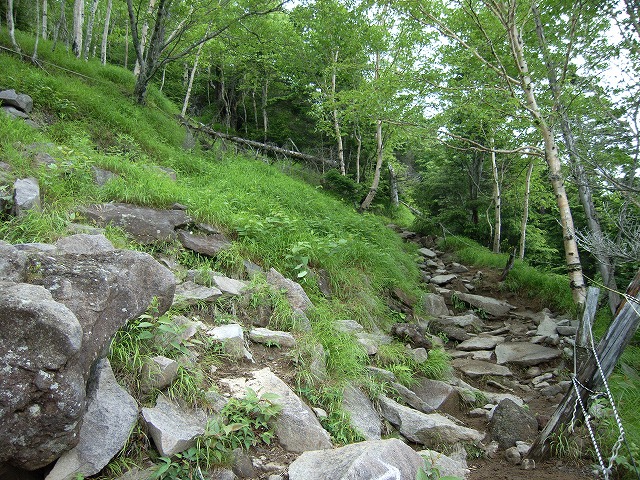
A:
{"points": [[16, 105]]}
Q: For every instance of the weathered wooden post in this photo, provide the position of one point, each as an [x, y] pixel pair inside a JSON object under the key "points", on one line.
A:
{"points": [[608, 351]]}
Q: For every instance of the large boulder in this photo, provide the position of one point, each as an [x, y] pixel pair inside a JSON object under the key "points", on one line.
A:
{"points": [[172, 429], [426, 429], [363, 416], [104, 290], [26, 196], [525, 353], [111, 414], [145, 225], [42, 394], [434, 305], [296, 426], [377, 459], [511, 423], [12, 263], [295, 293], [21, 101], [209, 245]]}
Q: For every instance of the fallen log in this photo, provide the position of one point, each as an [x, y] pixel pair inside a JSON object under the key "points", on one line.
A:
{"points": [[259, 145]]}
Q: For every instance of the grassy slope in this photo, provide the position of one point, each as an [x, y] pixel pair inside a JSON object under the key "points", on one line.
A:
{"points": [[276, 220]]}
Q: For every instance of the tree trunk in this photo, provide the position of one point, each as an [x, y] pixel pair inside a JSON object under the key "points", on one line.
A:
{"points": [[572, 257], [126, 46], [336, 120], [11, 26], [605, 264], [525, 212], [366, 203], [497, 199], [78, 27], [143, 35], [89, 35], [105, 33], [475, 175], [358, 136], [265, 118], [191, 77], [45, 19], [34, 57], [61, 23], [393, 181]]}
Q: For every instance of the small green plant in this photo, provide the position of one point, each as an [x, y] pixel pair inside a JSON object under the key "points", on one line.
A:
{"points": [[458, 305], [248, 419]]}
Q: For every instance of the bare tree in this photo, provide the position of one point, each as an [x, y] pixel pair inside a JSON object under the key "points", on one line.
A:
{"points": [[11, 26], [105, 33], [78, 27], [89, 35]]}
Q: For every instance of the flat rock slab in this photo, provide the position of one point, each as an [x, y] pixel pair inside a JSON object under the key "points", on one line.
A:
{"points": [[209, 245], [479, 368], [497, 308], [434, 305], [447, 466], [434, 392], [296, 426], [145, 225], [426, 429], [443, 279], [232, 338], [272, 337], [229, 286], [26, 196], [190, 293], [377, 459], [469, 322], [525, 353], [481, 342], [110, 416], [427, 253]]}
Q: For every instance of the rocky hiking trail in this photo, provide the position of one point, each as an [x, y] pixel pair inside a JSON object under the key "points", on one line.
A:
{"points": [[509, 357]]}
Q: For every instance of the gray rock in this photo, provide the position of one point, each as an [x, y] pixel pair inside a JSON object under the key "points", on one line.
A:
{"points": [[189, 293], [446, 466], [20, 101], [232, 337], [377, 459], [443, 279], [82, 243], [158, 372], [26, 196], [229, 286], [512, 455], [296, 295], [252, 269], [434, 392], [371, 341], [242, 465], [145, 225], [296, 426], [426, 429], [318, 363], [43, 159], [525, 353], [469, 321], [104, 290], [481, 342], [381, 374], [478, 368], [567, 330], [457, 268], [419, 355], [511, 423], [14, 112], [172, 429], [12, 263], [101, 176], [42, 394], [410, 398], [484, 355], [272, 337], [209, 245], [74, 228], [434, 305], [363, 416], [348, 326], [497, 308], [111, 414], [427, 253]]}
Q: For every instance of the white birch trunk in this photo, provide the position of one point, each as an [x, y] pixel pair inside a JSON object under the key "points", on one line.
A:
{"points": [[11, 26], [525, 213], [143, 35], [336, 121], [34, 57], [45, 19], [105, 33], [366, 203], [358, 153], [393, 181], [497, 199], [572, 257], [185, 104], [265, 118], [78, 27], [89, 35]]}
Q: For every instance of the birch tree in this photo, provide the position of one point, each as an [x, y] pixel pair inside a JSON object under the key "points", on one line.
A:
{"points": [[78, 27], [89, 34], [105, 33], [11, 26]]}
